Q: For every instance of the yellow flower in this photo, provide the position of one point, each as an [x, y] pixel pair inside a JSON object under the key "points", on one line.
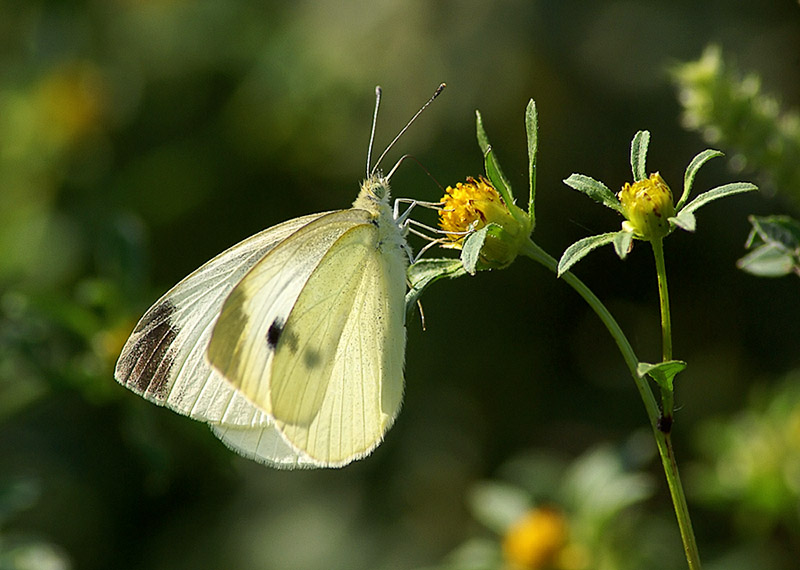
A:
{"points": [[536, 541], [647, 205], [473, 204]]}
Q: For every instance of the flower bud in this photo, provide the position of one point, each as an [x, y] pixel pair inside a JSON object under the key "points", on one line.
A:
{"points": [[647, 206]]}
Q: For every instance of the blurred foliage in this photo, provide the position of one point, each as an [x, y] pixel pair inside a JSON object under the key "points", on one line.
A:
{"points": [[732, 111], [547, 513], [750, 470], [140, 138]]}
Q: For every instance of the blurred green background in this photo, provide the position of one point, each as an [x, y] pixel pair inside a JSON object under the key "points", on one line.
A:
{"points": [[139, 138]]}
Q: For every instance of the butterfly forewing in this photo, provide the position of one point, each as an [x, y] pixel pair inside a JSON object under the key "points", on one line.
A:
{"points": [[164, 358]]}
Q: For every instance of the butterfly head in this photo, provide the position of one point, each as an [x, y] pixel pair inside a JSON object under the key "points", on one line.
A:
{"points": [[374, 193]]}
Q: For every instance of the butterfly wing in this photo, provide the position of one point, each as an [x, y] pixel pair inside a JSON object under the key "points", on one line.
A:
{"points": [[330, 370], [164, 358]]}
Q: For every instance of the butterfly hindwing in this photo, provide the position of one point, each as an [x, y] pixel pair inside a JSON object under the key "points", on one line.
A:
{"points": [[336, 394]]}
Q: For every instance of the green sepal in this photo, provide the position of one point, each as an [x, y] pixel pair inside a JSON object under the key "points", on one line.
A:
{"points": [[639, 144], [425, 272], [532, 131], [473, 243], [684, 220], [663, 373], [623, 243], [595, 189], [691, 172], [581, 248], [775, 244]]}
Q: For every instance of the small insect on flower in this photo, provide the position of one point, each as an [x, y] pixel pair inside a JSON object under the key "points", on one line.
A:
{"points": [[647, 206], [474, 204]]}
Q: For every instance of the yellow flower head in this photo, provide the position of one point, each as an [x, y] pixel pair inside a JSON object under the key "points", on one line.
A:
{"points": [[472, 205], [647, 205], [537, 540]]}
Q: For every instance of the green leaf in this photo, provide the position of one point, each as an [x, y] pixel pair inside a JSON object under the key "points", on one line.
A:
{"points": [[425, 272], [595, 189], [685, 221], [691, 172], [532, 130], [581, 248], [716, 193], [639, 144], [779, 230], [497, 178], [769, 260], [623, 243], [471, 250], [483, 140], [493, 171], [663, 373], [775, 244]]}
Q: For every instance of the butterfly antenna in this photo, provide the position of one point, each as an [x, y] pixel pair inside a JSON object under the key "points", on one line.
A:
{"points": [[378, 92], [400, 134]]}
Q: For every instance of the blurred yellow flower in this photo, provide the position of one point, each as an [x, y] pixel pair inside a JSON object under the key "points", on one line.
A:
{"points": [[71, 100], [536, 541]]}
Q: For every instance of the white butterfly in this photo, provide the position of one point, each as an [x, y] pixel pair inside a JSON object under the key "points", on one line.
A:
{"points": [[291, 343]]}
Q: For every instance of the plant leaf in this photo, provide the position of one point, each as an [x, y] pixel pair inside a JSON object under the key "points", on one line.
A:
{"points": [[497, 178], [775, 244], [779, 230], [684, 220], [595, 189], [716, 193], [580, 248], [532, 131], [483, 140], [491, 165], [425, 272], [623, 243], [691, 172], [769, 260], [639, 144], [470, 251], [663, 373]]}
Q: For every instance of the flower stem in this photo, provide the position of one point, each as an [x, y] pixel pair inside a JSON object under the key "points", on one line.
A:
{"points": [[667, 395], [663, 440]]}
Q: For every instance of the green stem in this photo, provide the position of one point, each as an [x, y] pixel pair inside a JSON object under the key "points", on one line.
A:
{"points": [[663, 440], [667, 395], [663, 297]]}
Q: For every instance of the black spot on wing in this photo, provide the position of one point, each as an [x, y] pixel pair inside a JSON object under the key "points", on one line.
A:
{"points": [[145, 367], [312, 359], [274, 333]]}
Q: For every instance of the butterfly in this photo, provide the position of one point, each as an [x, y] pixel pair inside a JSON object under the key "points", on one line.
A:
{"points": [[290, 344]]}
